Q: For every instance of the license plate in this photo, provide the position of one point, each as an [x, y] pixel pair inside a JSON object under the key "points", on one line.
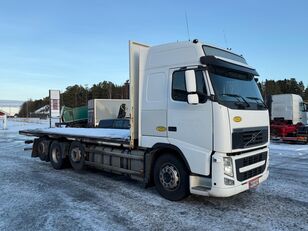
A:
{"points": [[254, 183]]}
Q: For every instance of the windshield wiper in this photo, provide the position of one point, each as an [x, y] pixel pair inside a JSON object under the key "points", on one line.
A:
{"points": [[237, 97], [257, 99]]}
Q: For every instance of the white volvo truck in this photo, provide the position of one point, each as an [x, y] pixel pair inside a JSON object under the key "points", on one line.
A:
{"points": [[198, 125]]}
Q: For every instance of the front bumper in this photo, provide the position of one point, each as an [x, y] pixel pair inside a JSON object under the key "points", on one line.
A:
{"points": [[230, 191], [215, 186]]}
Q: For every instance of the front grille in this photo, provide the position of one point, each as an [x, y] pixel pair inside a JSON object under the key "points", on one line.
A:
{"points": [[246, 161], [249, 137]]}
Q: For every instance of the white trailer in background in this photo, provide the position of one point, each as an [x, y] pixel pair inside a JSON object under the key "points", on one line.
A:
{"points": [[289, 107], [198, 125], [101, 109]]}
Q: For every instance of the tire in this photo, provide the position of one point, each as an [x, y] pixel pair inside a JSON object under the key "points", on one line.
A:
{"points": [[76, 155], [43, 149], [56, 154], [171, 177]]}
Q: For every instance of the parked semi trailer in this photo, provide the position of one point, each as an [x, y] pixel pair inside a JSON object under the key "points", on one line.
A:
{"points": [[94, 112], [198, 125], [288, 118], [103, 109]]}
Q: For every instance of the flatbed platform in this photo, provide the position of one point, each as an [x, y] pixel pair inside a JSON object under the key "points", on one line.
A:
{"points": [[115, 137]]}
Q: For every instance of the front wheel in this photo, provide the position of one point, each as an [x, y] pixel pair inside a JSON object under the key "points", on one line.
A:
{"points": [[171, 177]]}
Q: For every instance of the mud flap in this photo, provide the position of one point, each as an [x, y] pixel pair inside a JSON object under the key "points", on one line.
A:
{"points": [[35, 148]]}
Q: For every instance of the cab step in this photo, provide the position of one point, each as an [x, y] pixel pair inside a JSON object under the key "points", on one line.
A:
{"points": [[200, 190]]}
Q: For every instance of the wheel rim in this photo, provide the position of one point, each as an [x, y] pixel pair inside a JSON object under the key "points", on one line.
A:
{"points": [[76, 155], [41, 147], [56, 155], [169, 177]]}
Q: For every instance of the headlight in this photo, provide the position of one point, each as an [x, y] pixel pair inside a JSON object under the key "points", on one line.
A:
{"points": [[228, 166]]}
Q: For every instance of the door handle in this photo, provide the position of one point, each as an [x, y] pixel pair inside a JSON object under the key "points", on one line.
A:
{"points": [[172, 129]]}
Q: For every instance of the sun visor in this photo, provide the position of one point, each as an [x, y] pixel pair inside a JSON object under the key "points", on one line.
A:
{"points": [[228, 63]]}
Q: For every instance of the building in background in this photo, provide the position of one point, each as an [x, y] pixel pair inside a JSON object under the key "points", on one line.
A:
{"points": [[10, 107], [2, 113]]}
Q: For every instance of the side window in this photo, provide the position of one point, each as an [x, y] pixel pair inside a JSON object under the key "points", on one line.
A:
{"points": [[179, 92]]}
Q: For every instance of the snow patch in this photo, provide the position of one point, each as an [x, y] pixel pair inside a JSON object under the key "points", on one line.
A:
{"points": [[90, 132], [298, 148]]}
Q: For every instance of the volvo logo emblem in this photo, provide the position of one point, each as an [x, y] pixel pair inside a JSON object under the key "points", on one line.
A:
{"points": [[254, 136]]}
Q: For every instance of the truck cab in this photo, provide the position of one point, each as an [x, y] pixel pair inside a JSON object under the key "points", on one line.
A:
{"points": [[203, 103]]}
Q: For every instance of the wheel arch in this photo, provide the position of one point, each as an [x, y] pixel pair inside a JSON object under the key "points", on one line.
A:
{"points": [[153, 154]]}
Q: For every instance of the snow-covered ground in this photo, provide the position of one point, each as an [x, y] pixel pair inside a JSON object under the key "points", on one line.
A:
{"points": [[90, 132], [16, 124], [34, 196]]}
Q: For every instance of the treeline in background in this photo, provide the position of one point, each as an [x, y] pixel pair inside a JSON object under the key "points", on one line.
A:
{"points": [[285, 86], [78, 95]]}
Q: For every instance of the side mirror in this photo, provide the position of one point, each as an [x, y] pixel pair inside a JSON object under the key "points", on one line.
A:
{"points": [[191, 87], [192, 98]]}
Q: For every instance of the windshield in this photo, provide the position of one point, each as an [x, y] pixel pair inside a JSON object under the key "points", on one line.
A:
{"points": [[236, 90]]}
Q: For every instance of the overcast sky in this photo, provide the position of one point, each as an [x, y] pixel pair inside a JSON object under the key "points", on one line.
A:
{"points": [[52, 44]]}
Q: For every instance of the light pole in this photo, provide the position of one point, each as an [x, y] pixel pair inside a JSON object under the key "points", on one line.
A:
{"points": [[27, 108], [86, 88]]}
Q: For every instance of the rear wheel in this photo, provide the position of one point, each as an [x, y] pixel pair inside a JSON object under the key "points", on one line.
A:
{"points": [[77, 155], [43, 149], [56, 155], [171, 177]]}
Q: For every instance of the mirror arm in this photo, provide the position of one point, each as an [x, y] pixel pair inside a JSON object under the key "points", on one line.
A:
{"points": [[213, 98]]}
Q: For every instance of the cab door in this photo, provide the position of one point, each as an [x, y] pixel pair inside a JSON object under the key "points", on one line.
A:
{"points": [[190, 126]]}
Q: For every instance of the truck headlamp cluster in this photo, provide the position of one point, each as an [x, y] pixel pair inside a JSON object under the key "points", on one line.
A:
{"points": [[228, 166]]}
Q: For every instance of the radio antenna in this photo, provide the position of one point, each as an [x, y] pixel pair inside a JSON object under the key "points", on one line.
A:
{"points": [[225, 38], [187, 26]]}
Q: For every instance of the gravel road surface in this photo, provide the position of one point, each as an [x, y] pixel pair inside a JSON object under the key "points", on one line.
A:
{"points": [[34, 196]]}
